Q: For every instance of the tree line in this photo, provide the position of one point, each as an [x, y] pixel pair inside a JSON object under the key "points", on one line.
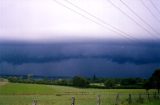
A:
{"points": [[95, 82]]}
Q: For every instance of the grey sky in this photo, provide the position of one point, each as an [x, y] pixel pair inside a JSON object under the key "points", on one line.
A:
{"points": [[88, 32], [102, 59], [45, 20]]}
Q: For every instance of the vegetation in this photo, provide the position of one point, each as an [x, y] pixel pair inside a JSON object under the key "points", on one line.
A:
{"points": [[80, 82], [154, 81], [33, 89], [109, 83], [24, 94], [77, 81], [22, 91]]}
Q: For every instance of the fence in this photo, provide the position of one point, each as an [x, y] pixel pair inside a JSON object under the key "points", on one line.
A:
{"points": [[131, 99]]}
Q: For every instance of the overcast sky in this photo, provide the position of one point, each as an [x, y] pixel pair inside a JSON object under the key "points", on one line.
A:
{"points": [[91, 23], [85, 59], [47, 20]]}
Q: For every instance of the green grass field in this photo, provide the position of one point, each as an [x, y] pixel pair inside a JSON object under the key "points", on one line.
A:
{"points": [[23, 94]]}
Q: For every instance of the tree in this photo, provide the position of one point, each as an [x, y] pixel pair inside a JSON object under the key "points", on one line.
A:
{"points": [[80, 82], [148, 86], [155, 79], [129, 81], [109, 83], [61, 82]]}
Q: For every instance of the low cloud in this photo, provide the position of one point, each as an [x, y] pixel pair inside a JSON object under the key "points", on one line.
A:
{"points": [[118, 53]]}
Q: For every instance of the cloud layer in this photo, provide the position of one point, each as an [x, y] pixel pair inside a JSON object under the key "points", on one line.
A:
{"points": [[79, 58], [45, 53]]}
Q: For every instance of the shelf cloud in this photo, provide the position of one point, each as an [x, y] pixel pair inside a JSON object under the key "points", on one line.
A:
{"points": [[77, 58]]}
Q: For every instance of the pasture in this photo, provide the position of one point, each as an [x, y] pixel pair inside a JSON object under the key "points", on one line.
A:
{"points": [[24, 94]]}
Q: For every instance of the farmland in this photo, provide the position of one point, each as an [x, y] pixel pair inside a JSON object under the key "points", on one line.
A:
{"points": [[24, 94]]}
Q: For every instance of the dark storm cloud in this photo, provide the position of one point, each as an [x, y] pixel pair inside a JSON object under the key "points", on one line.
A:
{"points": [[68, 59], [45, 53], [84, 67]]}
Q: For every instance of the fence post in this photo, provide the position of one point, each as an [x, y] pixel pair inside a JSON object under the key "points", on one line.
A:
{"points": [[98, 100], [117, 100], [73, 101], [140, 98], [130, 99], [34, 102], [148, 97]]}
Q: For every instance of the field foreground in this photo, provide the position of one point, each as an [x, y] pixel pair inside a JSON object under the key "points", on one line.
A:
{"points": [[24, 94]]}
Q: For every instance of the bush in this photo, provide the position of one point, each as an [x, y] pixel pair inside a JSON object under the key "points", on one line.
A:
{"points": [[109, 83], [80, 82]]}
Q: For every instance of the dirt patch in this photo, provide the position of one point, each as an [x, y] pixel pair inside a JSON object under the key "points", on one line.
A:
{"points": [[3, 81]]}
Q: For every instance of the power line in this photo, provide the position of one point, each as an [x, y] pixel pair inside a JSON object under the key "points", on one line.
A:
{"points": [[154, 6], [149, 10], [139, 17], [119, 9], [126, 37], [78, 13], [99, 19]]}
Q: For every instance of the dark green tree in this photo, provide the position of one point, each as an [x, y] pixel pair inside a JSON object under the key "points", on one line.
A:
{"points": [[155, 79], [129, 81], [80, 82], [148, 86], [110, 83]]}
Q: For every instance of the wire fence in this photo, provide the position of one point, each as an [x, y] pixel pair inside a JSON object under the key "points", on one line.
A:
{"points": [[120, 99]]}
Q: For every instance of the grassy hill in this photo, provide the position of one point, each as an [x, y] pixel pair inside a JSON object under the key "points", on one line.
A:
{"points": [[23, 94]]}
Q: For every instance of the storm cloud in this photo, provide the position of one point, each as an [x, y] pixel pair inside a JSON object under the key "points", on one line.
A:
{"points": [[79, 58], [45, 53]]}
